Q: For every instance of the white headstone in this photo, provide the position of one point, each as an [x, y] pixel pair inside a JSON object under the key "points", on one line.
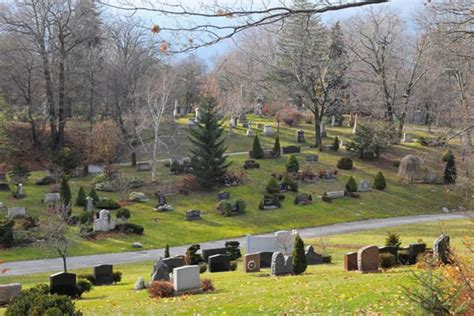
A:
{"points": [[335, 194], [364, 186], [52, 197], [267, 130], [16, 211], [186, 278], [89, 204], [281, 241], [105, 222]]}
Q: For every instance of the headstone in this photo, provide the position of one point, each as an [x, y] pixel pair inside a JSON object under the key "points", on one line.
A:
{"points": [[223, 195], [368, 259], [418, 117], [350, 261], [218, 263], [278, 263], [364, 186], [291, 149], [312, 158], [250, 164], [137, 245], [63, 283], [335, 194], [233, 121], [104, 223], [175, 262], [328, 175], [268, 154], [300, 136], [288, 264], [162, 205], [414, 250], [197, 115], [8, 292], [206, 253], [258, 109], [89, 204], [312, 257], [193, 215], [4, 187], [265, 259], [333, 120], [252, 262], [389, 249], [186, 279], [354, 126], [103, 274], [244, 121], [249, 132], [176, 113], [95, 169], [431, 178], [267, 130], [303, 199], [20, 191], [407, 138], [324, 134], [16, 211], [52, 197], [441, 249], [143, 166], [161, 271], [281, 241]]}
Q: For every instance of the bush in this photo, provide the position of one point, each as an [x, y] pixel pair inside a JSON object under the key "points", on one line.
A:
{"points": [[207, 286], [81, 198], [129, 228], [19, 171], [233, 265], [192, 257], [123, 214], [448, 155], [137, 197], [292, 164], [345, 163], [393, 240], [87, 276], [83, 286], [116, 276], [36, 300], [387, 260], [202, 267], [257, 151], [272, 186], [6, 235], [450, 172], [176, 167], [93, 194], [233, 250], [224, 207], [106, 203], [67, 159], [66, 195], [241, 205], [379, 181], [276, 147], [299, 256], [335, 145], [135, 183], [351, 185], [290, 184], [161, 289], [290, 116], [372, 138], [140, 284], [85, 217]]}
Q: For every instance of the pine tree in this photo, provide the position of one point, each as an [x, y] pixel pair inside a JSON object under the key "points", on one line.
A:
{"points": [[299, 257], [351, 185], [208, 151], [272, 186], [257, 151], [335, 145], [292, 164], [379, 181], [276, 147], [81, 197], [167, 251], [66, 196], [93, 194], [450, 172]]}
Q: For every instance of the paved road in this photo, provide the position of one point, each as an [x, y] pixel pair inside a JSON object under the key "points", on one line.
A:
{"points": [[45, 265]]}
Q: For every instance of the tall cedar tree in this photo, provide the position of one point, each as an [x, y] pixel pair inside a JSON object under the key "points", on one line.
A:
{"points": [[450, 172], [66, 196], [299, 257], [257, 151], [208, 159], [276, 147], [81, 197]]}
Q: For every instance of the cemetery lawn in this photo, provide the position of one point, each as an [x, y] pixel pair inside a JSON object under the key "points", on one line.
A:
{"points": [[170, 228], [323, 289]]}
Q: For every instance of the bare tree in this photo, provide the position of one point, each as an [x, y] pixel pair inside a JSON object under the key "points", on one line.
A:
{"points": [[55, 233]]}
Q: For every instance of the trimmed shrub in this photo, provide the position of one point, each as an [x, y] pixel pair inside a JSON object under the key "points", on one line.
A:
{"points": [[167, 251], [272, 186], [392, 240], [448, 155], [66, 195], [202, 267], [276, 147], [241, 205], [351, 185], [160, 289], [176, 167], [129, 228], [299, 257], [450, 172], [85, 217], [233, 250], [207, 286], [88, 276], [335, 145], [345, 163], [93, 194], [106, 203], [379, 181], [83, 286], [387, 260], [81, 198], [6, 235], [123, 214], [291, 185], [224, 207], [257, 151], [292, 164], [116, 276]]}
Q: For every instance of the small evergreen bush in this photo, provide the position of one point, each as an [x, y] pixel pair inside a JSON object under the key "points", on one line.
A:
{"points": [[129, 228], [379, 181], [66, 196], [292, 164], [335, 145], [345, 163], [351, 185], [392, 240], [299, 257], [387, 260], [257, 151], [106, 203], [123, 214], [276, 147], [81, 198], [93, 194], [272, 186], [83, 286], [291, 185]]}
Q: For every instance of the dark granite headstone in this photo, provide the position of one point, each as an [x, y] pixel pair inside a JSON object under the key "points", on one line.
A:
{"points": [[174, 262], [193, 215], [414, 251], [219, 263], [265, 259], [223, 195], [4, 187], [103, 274], [206, 253], [300, 136], [291, 149], [441, 248], [161, 271], [350, 261], [312, 257], [63, 283], [2, 176], [312, 158]]}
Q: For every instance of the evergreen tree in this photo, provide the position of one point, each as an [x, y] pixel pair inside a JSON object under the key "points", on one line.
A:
{"points": [[93, 194], [379, 181], [208, 151], [299, 257], [81, 197], [66, 196], [351, 185], [167, 251], [272, 186], [292, 164], [335, 145], [450, 172], [257, 151], [276, 147]]}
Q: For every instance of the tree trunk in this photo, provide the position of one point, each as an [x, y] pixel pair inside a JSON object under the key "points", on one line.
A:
{"points": [[154, 156], [59, 141], [133, 158], [317, 130], [49, 93]]}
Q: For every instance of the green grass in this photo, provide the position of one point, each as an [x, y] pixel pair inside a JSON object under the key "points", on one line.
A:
{"points": [[325, 289], [171, 228]]}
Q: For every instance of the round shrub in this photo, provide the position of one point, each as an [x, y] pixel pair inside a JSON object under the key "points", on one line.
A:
{"points": [[292, 164], [272, 186], [351, 185], [379, 181], [291, 185], [129, 228], [116, 276], [345, 163], [160, 289], [85, 217], [224, 207], [83, 286], [202, 267], [93, 194], [87, 276], [53, 311], [241, 205], [123, 214], [387, 260], [108, 204]]}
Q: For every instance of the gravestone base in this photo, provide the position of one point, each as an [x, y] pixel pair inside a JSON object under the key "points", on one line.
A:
{"points": [[188, 292]]}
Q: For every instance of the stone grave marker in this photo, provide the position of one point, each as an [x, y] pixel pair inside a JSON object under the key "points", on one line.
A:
{"points": [[143, 166], [206, 253], [288, 264], [161, 271], [191, 122], [265, 259], [300, 136], [104, 223], [364, 186], [95, 169], [186, 279], [252, 262], [4, 187], [175, 262], [223, 195], [335, 194], [441, 248], [8, 292], [103, 274], [278, 263], [368, 259], [52, 197], [303, 199], [249, 132], [20, 191], [407, 138], [312, 158], [291, 149], [16, 211], [251, 164], [312, 257], [414, 250], [350, 261], [63, 283], [219, 263], [193, 215], [267, 130], [89, 204]]}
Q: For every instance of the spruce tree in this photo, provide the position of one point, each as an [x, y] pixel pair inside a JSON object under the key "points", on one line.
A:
{"points": [[66, 196], [351, 185], [379, 181], [81, 197], [257, 151], [335, 145], [276, 147], [93, 194], [450, 172], [299, 257], [292, 164], [207, 145], [167, 251]]}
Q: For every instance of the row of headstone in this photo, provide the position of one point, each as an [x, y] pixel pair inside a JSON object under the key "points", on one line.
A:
{"points": [[281, 265]]}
